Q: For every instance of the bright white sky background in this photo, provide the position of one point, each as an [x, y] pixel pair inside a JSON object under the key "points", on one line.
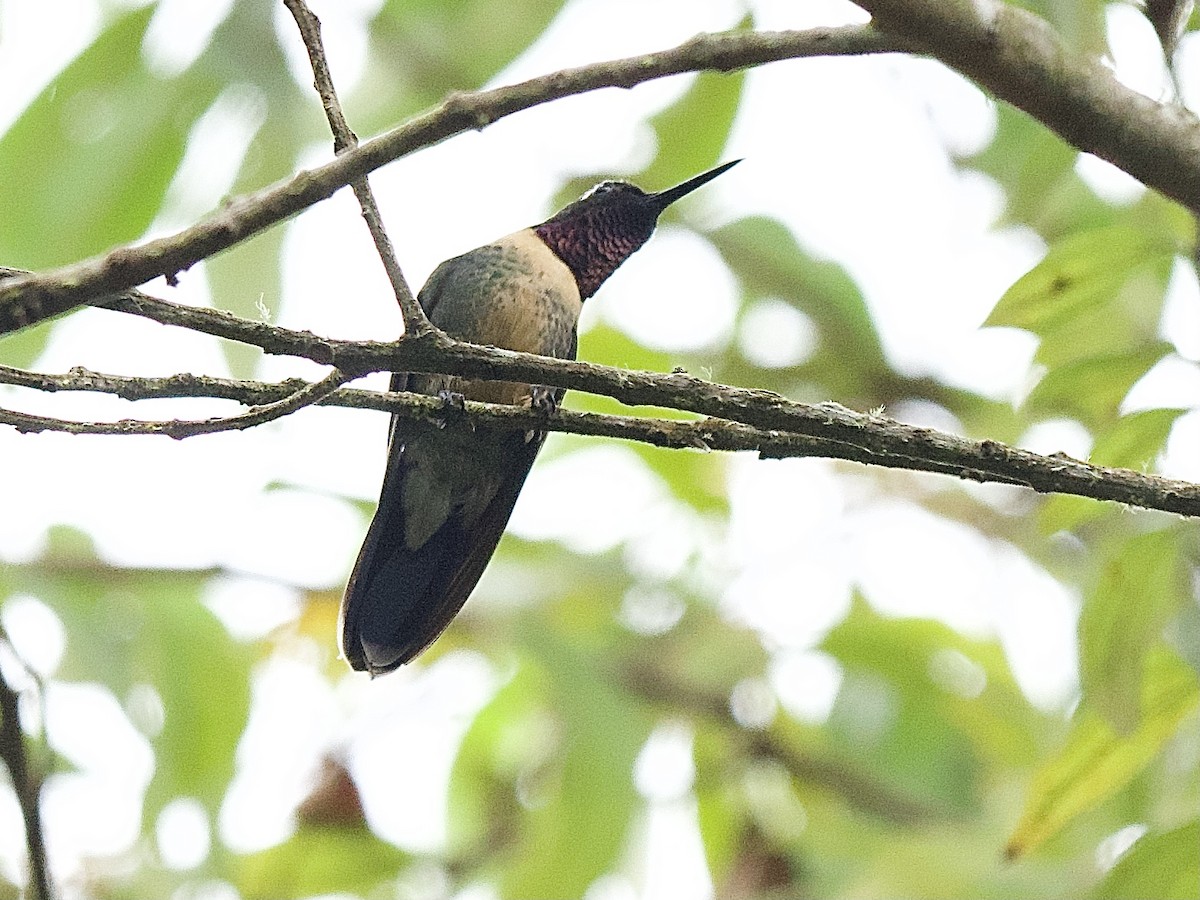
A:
{"points": [[851, 153]]}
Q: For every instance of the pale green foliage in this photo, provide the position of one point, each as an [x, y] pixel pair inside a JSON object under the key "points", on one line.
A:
{"points": [[957, 768]]}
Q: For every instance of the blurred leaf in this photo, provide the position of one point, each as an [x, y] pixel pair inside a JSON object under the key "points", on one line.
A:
{"points": [[245, 51], [770, 263], [1079, 274], [1036, 169], [245, 277], [1139, 588], [577, 833], [1080, 23], [694, 478], [1091, 389], [1095, 762], [320, 861], [509, 739], [720, 817], [104, 113], [608, 346], [1165, 866], [423, 49], [952, 682], [203, 677], [704, 656], [127, 629], [1134, 441], [705, 114]]}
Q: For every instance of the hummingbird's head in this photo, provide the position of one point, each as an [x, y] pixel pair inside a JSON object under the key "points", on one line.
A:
{"points": [[601, 229]]}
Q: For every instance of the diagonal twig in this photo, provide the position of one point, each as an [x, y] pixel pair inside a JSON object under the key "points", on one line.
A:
{"points": [[344, 139]]}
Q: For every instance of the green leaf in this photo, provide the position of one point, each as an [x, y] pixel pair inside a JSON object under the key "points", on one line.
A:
{"points": [[203, 678], [1165, 866], [127, 629], [249, 274], [575, 835], [1091, 389], [1096, 762], [320, 861], [1139, 588], [1136, 440], [1036, 168], [719, 811], [705, 113], [423, 49], [92, 155], [506, 740], [769, 262], [246, 49], [959, 683], [695, 478], [1079, 274]]}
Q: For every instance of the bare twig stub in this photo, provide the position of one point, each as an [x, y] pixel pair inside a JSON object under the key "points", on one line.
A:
{"points": [[27, 786], [295, 396]]}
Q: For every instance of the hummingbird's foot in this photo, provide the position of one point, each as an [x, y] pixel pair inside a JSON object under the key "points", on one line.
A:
{"points": [[454, 407], [452, 400], [543, 399]]}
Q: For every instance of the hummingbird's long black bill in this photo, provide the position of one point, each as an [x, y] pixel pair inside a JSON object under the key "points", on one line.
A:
{"points": [[663, 199]]}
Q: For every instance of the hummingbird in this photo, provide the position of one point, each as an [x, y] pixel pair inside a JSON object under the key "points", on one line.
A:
{"points": [[448, 493]]}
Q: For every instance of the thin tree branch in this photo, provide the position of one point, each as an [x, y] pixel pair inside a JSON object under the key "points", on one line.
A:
{"points": [[824, 430], [293, 397], [883, 438], [344, 139], [27, 787], [1019, 58], [29, 299], [705, 434]]}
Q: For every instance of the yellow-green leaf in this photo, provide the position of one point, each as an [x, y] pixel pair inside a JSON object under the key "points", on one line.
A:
{"points": [[1096, 762], [1163, 866], [320, 861], [1078, 274], [1123, 615], [1091, 389]]}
